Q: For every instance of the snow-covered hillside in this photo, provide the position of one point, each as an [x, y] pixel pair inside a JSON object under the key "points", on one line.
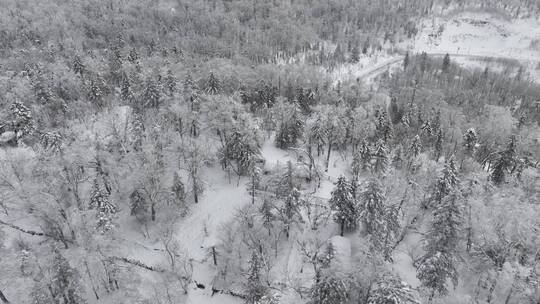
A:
{"points": [[473, 35]]}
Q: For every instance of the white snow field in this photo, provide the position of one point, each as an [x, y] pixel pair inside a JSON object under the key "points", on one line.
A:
{"points": [[471, 36]]}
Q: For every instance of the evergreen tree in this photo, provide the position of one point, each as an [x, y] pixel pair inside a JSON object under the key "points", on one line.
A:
{"points": [[423, 62], [380, 221], [391, 290], [42, 90], [64, 284], [78, 66], [397, 159], [344, 205], [96, 91], [355, 54], [241, 148], [365, 47], [188, 85], [267, 214], [254, 182], [384, 127], [446, 182], [438, 144], [105, 210], [170, 83], [125, 89], [415, 147], [133, 56], [288, 191], [138, 206], [137, 131], [151, 95], [290, 131], [317, 134], [438, 264], [446, 63], [22, 119], [330, 289], [427, 129], [406, 61], [212, 84], [506, 159], [372, 206], [381, 158], [305, 99], [436, 121], [115, 65], [179, 191], [365, 154], [254, 288]]}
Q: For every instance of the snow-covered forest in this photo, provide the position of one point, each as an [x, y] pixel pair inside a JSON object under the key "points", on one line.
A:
{"points": [[269, 152]]}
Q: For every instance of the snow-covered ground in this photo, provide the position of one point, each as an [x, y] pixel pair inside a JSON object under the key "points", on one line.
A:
{"points": [[472, 35], [480, 34]]}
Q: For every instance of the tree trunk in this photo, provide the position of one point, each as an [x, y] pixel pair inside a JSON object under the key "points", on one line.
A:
{"points": [[342, 227], [328, 155], [214, 255], [3, 298], [153, 211], [492, 288]]}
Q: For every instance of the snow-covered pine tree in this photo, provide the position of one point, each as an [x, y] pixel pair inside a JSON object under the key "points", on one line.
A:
{"points": [[95, 92], [344, 205], [254, 288], [133, 56], [137, 131], [406, 61], [439, 140], [51, 141], [436, 121], [188, 85], [372, 209], [506, 159], [381, 158], [288, 191], [170, 83], [138, 205], [416, 147], [151, 95], [115, 66], [331, 289], [22, 119], [446, 63], [63, 284], [438, 264], [78, 66], [397, 159], [365, 154], [390, 289], [384, 127], [446, 182], [267, 214], [243, 148], [355, 54], [212, 84], [290, 130], [317, 134], [254, 182], [42, 90], [380, 221], [427, 129], [105, 210], [179, 193]]}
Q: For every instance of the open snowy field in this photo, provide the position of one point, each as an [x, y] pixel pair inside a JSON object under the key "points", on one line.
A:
{"points": [[471, 35]]}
